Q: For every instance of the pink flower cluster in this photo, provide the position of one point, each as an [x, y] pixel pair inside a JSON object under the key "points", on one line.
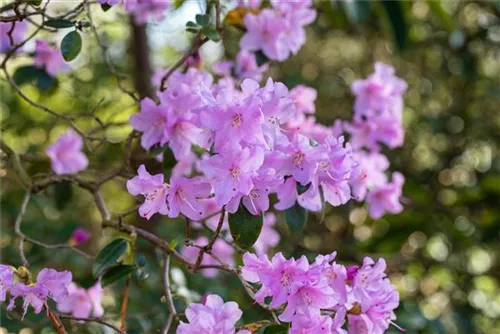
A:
{"points": [[277, 31], [377, 120], [49, 284], [66, 154], [145, 10], [212, 317], [261, 140], [320, 296], [50, 58], [81, 303], [16, 34]]}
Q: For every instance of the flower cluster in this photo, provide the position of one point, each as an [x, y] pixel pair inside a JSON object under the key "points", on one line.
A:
{"points": [[66, 154], [378, 111], [261, 140], [11, 33], [49, 58], [49, 284], [82, 303], [143, 10], [277, 32], [211, 317], [317, 296]]}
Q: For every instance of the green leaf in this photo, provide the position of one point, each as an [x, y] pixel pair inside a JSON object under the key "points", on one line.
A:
{"points": [[296, 218], [261, 58], [276, 329], [178, 3], [397, 22], [105, 7], [245, 227], [71, 45], [59, 23], [63, 192], [158, 149], [212, 34], [302, 189], [446, 18], [356, 11], [35, 2], [32, 74], [113, 274], [202, 20], [108, 256]]}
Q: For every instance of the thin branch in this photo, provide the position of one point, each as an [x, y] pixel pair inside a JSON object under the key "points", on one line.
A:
{"points": [[168, 295], [210, 244], [123, 312], [17, 227], [97, 320]]}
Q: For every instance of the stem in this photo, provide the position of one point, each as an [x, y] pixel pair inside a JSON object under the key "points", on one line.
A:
{"points": [[123, 313]]}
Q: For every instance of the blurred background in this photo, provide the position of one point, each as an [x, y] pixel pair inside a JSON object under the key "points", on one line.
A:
{"points": [[443, 251]]}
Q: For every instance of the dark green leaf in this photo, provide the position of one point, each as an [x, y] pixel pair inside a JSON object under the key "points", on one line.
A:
{"points": [[276, 329], [356, 11], [35, 2], [105, 7], [32, 74], [302, 189], [113, 274], [62, 194], [169, 162], [158, 149], [71, 45], [108, 256], [212, 34], [245, 227], [397, 22], [191, 24], [59, 23], [296, 218], [202, 20]]}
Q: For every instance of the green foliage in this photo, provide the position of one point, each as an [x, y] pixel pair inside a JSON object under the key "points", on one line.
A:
{"points": [[397, 22], [59, 23], [71, 45], [296, 218], [109, 256], [115, 273], [32, 74], [63, 193], [245, 228], [276, 329]]}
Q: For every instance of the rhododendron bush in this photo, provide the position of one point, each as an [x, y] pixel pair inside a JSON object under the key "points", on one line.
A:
{"points": [[177, 192]]}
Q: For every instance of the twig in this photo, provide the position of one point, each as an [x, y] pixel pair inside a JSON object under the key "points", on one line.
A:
{"points": [[17, 227], [97, 320], [168, 295], [123, 312], [210, 244], [58, 325]]}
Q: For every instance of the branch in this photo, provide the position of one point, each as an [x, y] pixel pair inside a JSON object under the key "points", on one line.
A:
{"points": [[208, 247], [17, 228], [168, 295], [97, 320]]}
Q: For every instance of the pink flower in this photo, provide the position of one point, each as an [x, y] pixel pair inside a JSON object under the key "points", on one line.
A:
{"points": [[66, 154], [49, 284], [50, 58], [212, 317], [109, 2], [184, 197], [145, 10], [246, 66], [298, 12], [232, 171], [303, 324], [386, 198], [6, 280], [79, 236], [265, 31], [17, 35], [82, 303], [153, 189], [220, 249], [268, 237], [304, 98], [368, 172]]}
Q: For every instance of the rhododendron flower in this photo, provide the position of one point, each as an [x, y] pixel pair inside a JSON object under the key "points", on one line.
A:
{"points": [[212, 317], [66, 154], [79, 236], [145, 10], [109, 2], [304, 98], [368, 172], [184, 197], [6, 280], [233, 171], [246, 66], [49, 284], [17, 35], [322, 324], [386, 198], [265, 32], [268, 237], [82, 303], [220, 249], [153, 189], [50, 58]]}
